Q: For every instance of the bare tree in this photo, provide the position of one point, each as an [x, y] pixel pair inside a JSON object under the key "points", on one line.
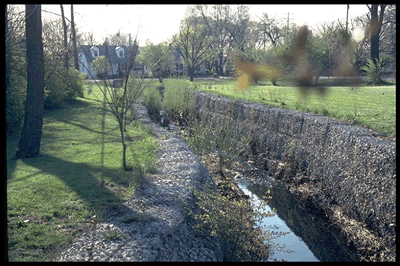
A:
{"points": [[119, 101], [269, 29], [29, 143], [89, 39], [118, 39]]}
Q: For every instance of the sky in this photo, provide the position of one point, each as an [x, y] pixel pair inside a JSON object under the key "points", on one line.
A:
{"points": [[158, 23]]}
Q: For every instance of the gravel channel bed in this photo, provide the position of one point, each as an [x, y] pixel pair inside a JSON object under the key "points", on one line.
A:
{"points": [[161, 230]]}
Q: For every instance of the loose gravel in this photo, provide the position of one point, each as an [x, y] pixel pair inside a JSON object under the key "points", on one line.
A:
{"points": [[154, 226]]}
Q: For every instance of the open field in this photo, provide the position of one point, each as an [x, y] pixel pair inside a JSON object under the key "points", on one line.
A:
{"points": [[370, 107], [53, 197]]}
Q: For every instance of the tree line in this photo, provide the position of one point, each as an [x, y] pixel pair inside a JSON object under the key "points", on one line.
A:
{"points": [[220, 36], [227, 35]]}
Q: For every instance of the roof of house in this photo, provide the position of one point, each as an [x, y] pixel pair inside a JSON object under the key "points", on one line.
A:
{"points": [[111, 53]]}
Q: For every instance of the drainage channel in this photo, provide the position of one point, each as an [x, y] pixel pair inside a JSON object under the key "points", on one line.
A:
{"points": [[307, 235]]}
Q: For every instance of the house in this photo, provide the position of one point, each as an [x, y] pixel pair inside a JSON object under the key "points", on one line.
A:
{"points": [[119, 57]]}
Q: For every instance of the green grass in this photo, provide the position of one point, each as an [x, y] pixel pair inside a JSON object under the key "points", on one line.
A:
{"points": [[52, 197], [370, 107]]}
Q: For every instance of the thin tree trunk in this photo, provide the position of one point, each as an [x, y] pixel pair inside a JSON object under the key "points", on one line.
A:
{"points": [[122, 116], [8, 51], [29, 143], [75, 48], [221, 67], [66, 63], [121, 129]]}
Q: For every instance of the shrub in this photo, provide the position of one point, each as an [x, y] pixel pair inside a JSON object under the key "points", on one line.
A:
{"points": [[63, 87], [374, 71], [152, 100], [236, 225], [227, 140], [74, 84], [179, 101], [16, 94], [54, 91], [15, 103]]}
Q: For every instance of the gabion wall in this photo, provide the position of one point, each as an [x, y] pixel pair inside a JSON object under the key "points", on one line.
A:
{"points": [[357, 169]]}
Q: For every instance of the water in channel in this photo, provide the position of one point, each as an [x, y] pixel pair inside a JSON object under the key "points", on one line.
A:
{"points": [[309, 236]]}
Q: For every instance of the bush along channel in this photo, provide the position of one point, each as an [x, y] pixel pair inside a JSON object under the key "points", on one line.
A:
{"points": [[235, 137]]}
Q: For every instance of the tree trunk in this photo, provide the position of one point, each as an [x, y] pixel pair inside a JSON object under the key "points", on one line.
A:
{"points": [[374, 34], [121, 129], [375, 28], [191, 74], [221, 63], [75, 48], [8, 52], [29, 143], [66, 63]]}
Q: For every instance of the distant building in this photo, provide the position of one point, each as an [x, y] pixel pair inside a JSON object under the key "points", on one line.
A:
{"points": [[119, 57]]}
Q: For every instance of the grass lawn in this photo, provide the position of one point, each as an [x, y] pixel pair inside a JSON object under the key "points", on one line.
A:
{"points": [[51, 198], [371, 107]]}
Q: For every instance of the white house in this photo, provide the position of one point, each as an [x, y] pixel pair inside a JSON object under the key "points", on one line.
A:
{"points": [[119, 57]]}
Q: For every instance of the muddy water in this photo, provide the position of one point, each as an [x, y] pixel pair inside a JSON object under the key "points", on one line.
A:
{"points": [[309, 235]]}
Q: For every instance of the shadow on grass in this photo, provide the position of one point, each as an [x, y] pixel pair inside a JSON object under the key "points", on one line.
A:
{"points": [[85, 127], [84, 179], [81, 177], [79, 113]]}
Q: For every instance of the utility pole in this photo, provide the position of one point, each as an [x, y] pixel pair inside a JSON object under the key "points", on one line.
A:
{"points": [[287, 26]]}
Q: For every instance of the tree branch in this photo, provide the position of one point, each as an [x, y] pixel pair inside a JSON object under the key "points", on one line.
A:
{"points": [[56, 14]]}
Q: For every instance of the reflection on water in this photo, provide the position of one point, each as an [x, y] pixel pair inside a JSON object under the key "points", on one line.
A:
{"points": [[310, 237]]}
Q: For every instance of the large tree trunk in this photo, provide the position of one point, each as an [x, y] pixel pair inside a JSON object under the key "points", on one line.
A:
{"points": [[374, 33], [75, 48], [66, 63], [29, 143], [375, 28]]}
